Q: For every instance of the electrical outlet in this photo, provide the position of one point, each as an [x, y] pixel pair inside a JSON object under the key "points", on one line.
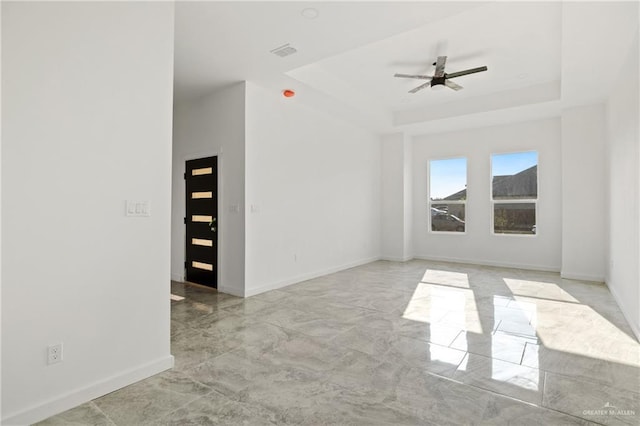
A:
{"points": [[54, 353]]}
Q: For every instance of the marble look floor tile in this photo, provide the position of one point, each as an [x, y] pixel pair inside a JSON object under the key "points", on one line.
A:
{"points": [[505, 411], [437, 333], [178, 327], [538, 289], [415, 342], [365, 339], [337, 310], [499, 346], [357, 370], [191, 313], [193, 347], [248, 307], [204, 296], [505, 301], [385, 344], [369, 297], [517, 329], [355, 408], [313, 402], [396, 324], [291, 396], [429, 356], [512, 314], [216, 409], [273, 296], [392, 282], [223, 325], [425, 309], [505, 378], [468, 321], [232, 373], [345, 311], [304, 352], [441, 402], [315, 287], [82, 415], [145, 402], [592, 400], [198, 348], [443, 277], [579, 366], [312, 323]]}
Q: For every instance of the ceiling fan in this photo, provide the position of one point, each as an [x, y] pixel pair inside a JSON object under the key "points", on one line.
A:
{"points": [[440, 78]]}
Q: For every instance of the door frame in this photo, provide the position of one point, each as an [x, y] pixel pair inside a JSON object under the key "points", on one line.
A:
{"points": [[220, 233]]}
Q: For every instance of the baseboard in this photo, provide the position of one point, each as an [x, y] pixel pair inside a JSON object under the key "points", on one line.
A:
{"points": [[490, 263], [308, 276], [634, 327], [177, 277], [396, 259], [581, 277], [80, 396], [234, 291]]}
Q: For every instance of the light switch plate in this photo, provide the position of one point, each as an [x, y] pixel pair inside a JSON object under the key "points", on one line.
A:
{"points": [[138, 208]]}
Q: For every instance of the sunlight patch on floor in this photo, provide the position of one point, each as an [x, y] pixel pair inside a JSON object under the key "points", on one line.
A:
{"points": [[454, 279], [539, 289], [450, 306], [578, 329], [516, 375]]}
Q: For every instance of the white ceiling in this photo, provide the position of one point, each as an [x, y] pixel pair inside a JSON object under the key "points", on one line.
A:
{"points": [[346, 57]]}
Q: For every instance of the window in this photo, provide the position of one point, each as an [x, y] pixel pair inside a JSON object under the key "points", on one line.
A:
{"points": [[514, 192], [447, 194]]}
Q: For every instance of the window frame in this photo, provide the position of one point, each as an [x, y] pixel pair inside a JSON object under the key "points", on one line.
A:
{"points": [[459, 202], [534, 201]]}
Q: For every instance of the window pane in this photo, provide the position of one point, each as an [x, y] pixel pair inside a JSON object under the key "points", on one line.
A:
{"points": [[514, 218], [514, 176], [448, 179], [447, 217]]}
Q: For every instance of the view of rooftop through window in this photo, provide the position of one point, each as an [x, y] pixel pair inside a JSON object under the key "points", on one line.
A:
{"points": [[514, 190]]}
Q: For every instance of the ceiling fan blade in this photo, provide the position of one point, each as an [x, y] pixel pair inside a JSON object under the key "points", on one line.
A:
{"points": [[451, 85], [465, 72], [422, 86], [421, 77], [440, 62]]}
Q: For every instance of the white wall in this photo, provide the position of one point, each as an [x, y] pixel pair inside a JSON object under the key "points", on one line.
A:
{"points": [[396, 231], [213, 125], [584, 227], [0, 224], [312, 192], [408, 197], [478, 245], [392, 197], [86, 125], [623, 157]]}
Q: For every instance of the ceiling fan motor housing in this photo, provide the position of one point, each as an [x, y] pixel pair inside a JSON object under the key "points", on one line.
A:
{"points": [[435, 81]]}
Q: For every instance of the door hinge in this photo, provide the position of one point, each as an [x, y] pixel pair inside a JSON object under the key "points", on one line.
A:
{"points": [[185, 263], [184, 176], [185, 220]]}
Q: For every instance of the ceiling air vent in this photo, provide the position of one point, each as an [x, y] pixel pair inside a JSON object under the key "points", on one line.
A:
{"points": [[284, 50]]}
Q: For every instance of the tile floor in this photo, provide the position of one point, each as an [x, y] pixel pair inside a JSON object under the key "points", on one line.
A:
{"points": [[414, 343]]}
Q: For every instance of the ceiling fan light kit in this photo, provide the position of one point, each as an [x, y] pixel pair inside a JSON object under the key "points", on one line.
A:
{"points": [[440, 79]]}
